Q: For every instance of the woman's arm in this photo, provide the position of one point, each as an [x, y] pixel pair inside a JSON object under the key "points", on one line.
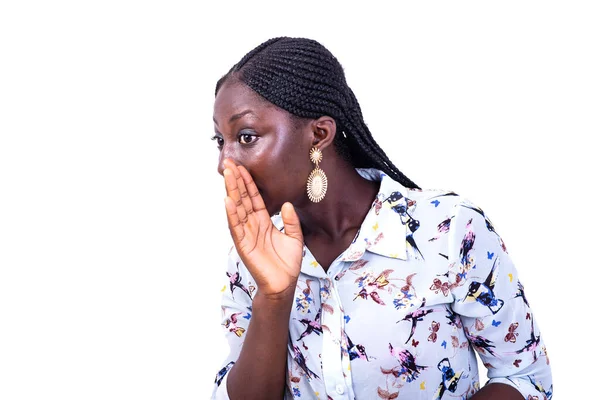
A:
{"points": [[273, 258], [495, 313], [497, 391], [260, 370]]}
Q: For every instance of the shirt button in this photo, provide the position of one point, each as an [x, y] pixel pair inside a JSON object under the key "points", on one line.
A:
{"points": [[339, 389]]}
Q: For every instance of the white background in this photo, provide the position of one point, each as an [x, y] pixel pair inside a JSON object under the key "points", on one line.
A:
{"points": [[113, 238]]}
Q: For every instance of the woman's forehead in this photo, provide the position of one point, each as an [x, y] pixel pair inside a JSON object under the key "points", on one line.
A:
{"points": [[232, 94], [236, 98]]}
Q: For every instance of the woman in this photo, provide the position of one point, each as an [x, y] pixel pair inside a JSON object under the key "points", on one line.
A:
{"points": [[363, 286]]}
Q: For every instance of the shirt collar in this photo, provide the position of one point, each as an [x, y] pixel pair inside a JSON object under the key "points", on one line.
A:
{"points": [[383, 230], [385, 227]]}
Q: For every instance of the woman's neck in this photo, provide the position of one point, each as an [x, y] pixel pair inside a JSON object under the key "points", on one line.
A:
{"points": [[348, 200]]}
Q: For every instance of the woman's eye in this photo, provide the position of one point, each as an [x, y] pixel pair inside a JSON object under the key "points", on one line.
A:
{"points": [[246, 138], [219, 141]]}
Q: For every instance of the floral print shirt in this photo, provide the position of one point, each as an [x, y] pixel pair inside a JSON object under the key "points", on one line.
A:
{"points": [[426, 285]]}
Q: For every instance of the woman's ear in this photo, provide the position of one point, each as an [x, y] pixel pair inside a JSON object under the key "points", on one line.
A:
{"points": [[324, 131]]}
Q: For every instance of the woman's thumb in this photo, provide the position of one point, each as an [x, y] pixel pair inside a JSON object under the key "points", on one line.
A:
{"points": [[291, 222]]}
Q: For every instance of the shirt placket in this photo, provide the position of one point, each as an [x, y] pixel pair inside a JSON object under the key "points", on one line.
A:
{"points": [[335, 362]]}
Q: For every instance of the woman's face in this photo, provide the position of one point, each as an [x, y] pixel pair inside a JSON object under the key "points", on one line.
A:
{"points": [[264, 139]]}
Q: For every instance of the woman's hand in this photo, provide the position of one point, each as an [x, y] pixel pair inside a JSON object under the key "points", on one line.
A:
{"points": [[273, 258]]}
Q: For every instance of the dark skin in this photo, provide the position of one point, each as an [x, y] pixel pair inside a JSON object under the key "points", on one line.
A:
{"points": [[277, 158], [264, 159]]}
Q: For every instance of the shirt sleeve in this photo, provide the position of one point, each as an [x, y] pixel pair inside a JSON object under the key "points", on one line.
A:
{"points": [[491, 303], [236, 307]]}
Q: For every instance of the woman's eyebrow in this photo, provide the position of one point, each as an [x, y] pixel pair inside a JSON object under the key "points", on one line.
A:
{"points": [[237, 116], [240, 115]]}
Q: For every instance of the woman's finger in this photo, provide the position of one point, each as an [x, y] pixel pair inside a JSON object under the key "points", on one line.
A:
{"points": [[256, 199], [247, 203], [233, 192], [235, 226], [291, 222]]}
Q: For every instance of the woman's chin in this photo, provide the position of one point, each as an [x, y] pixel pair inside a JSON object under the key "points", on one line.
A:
{"points": [[272, 210], [271, 207], [268, 204]]}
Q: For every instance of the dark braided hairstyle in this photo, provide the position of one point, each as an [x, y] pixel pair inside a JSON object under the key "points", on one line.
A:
{"points": [[303, 78]]}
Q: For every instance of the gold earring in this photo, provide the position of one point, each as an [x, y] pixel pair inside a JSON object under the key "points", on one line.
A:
{"points": [[316, 187]]}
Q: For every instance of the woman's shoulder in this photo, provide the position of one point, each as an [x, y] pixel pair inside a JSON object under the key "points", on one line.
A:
{"points": [[438, 206], [437, 199], [431, 201]]}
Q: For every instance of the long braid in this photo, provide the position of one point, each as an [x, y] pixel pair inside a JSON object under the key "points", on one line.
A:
{"points": [[302, 77]]}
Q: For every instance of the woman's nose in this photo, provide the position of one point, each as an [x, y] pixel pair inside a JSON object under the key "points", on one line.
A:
{"points": [[221, 166], [225, 155]]}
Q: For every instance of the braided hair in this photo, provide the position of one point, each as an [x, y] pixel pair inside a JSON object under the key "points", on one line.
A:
{"points": [[303, 78]]}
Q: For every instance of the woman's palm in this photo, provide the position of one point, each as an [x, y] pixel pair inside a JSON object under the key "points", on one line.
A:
{"points": [[272, 257]]}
